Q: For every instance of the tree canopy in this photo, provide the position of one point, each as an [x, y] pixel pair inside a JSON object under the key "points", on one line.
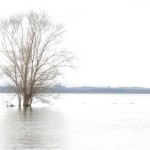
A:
{"points": [[33, 55]]}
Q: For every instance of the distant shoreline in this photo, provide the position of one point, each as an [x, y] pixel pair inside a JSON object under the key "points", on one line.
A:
{"points": [[101, 90], [86, 90]]}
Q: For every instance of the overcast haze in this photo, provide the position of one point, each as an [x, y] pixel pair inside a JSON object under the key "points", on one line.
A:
{"points": [[111, 39]]}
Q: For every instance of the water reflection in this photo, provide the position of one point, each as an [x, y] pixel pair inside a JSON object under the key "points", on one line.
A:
{"points": [[32, 128], [79, 122]]}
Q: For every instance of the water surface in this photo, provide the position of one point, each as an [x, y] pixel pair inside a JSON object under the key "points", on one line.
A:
{"points": [[79, 122]]}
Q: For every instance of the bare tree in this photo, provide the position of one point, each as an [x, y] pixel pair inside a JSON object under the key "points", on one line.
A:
{"points": [[33, 56]]}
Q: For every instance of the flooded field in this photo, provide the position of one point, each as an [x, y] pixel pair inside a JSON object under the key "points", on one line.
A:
{"points": [[79, 122]]}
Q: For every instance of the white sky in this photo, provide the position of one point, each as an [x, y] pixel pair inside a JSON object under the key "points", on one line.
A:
{"points": [[110, 38]]}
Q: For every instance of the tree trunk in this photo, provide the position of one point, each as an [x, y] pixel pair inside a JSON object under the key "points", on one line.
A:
{"points": [[30, 100], [19, 99], [26, 103], [26, 100]]}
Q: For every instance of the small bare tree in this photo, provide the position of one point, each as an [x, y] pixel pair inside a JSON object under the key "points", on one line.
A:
{"points": [[33, 56]]}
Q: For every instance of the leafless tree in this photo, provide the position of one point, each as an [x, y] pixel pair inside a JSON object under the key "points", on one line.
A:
{"points": [[32, 54]]}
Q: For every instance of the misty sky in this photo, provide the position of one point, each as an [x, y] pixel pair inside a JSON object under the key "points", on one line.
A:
{"points": [[111, 39]]}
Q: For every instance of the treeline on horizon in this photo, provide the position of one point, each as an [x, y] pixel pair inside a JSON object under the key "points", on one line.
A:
{"points": [[84, 89]]}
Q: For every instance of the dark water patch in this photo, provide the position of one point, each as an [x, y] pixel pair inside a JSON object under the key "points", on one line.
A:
{"points": [[35, 128]]}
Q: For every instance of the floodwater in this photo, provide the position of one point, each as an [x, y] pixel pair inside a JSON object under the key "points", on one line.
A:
{"points": [[79, 122]]}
